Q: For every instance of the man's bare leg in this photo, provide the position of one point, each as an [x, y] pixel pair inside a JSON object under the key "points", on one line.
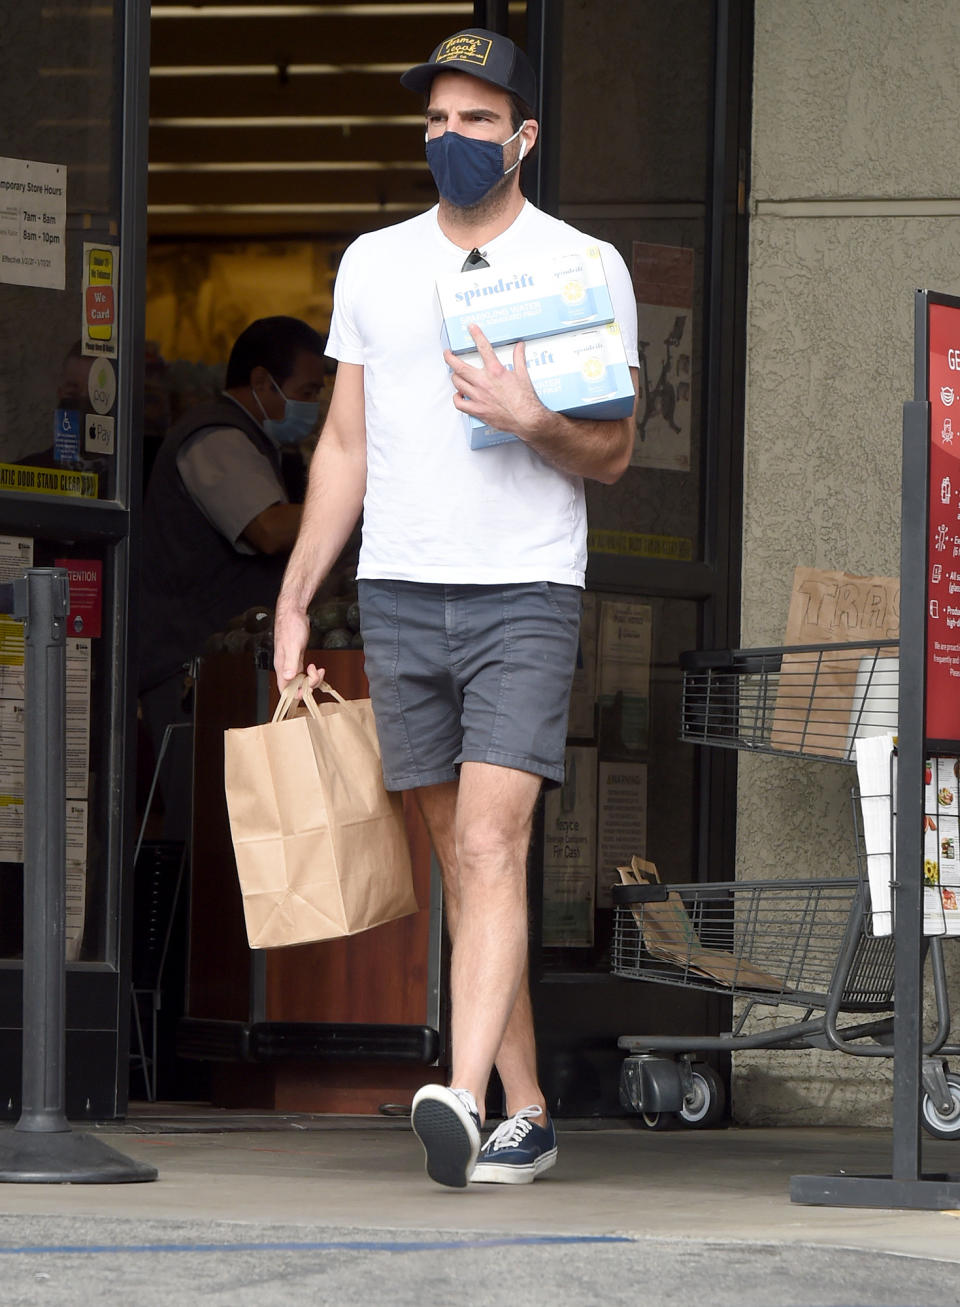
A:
{"points": [[517, 1056], [440, 805]]}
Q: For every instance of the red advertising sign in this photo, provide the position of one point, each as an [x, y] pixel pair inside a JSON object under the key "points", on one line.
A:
{"points": [[943, 539], [98, 305], [86, 595]]}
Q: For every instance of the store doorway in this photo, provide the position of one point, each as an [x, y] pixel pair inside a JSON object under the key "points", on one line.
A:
{"points": [[275, 139]]}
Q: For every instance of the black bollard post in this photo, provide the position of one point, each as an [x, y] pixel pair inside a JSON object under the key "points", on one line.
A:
{"points": [[42, 1148]]}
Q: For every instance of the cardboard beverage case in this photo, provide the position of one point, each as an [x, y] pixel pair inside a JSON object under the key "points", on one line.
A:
{"points": [[583, 374], [668, 933], [531, 296]]}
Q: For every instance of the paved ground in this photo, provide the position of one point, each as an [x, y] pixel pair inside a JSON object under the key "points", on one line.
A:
{"points": [[327, 1211], [159, 1262]]}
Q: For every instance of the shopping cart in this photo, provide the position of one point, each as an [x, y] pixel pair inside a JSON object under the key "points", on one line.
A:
{"points": [[803, 944], [801, 701]]}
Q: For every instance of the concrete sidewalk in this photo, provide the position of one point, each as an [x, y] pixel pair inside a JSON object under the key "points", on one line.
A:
{"points": [[326, 1210]]}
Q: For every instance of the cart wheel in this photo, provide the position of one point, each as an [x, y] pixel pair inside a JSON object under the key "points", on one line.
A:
{"points": [[704, 1106], [939, 1124], [658, 1120]]}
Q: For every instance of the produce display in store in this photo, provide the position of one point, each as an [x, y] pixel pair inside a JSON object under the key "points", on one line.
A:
{"points": [[334, 619]]}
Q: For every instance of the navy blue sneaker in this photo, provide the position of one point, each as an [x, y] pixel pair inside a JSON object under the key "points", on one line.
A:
{"points": [[447, 1123], [518, 1150]]}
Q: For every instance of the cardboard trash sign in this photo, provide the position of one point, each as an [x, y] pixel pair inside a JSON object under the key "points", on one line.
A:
{"points": [[669, 934], [825, 698]]}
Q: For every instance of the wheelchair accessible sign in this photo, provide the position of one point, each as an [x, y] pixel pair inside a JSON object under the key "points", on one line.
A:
{"points": [[67, 425]]}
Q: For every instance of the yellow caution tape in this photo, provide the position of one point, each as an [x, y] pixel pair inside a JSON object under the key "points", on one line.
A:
{"points": [[635, 544], [48, 481]]}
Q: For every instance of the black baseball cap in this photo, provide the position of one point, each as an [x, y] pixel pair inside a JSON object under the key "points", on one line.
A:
{"points": [[487, 55]]}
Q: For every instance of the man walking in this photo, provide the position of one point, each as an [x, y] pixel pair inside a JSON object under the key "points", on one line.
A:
{"points": [[470, 571]]}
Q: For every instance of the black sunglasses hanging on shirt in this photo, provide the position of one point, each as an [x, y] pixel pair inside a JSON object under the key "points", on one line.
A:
{"points": [[473, 260]]}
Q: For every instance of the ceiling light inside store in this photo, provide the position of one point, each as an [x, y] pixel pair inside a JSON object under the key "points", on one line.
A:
{"points": [[309, 165], [392, 206], [304, 11], [293, 120], [270, 70]]}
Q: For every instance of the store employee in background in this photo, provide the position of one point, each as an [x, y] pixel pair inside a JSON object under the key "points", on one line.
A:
{"points": [[218, 522]]}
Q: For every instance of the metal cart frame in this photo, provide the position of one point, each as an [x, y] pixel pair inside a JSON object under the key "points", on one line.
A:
{"points": [[803, 943]]}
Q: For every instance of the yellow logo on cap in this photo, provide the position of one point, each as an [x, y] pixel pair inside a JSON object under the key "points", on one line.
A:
{"points": [[466, 49]]}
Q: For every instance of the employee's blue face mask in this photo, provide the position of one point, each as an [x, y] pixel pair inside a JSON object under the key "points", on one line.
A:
{"points": [[466, 168], [298, 421]]}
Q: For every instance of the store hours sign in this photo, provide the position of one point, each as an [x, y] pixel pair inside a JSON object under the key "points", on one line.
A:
{"points": [[943, 515], [33, 223]]}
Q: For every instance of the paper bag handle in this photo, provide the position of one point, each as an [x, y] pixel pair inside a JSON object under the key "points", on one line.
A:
{"points": [[292, 691]]}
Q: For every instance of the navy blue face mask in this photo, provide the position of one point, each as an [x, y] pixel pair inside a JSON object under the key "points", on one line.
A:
{"points": [[466, 168]]}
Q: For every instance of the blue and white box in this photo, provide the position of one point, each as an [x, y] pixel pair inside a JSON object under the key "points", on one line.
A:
{"points": [[529, 297], [582, 374]]}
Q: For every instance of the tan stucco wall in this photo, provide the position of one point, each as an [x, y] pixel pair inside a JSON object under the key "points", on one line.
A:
{"points": [[854, 101]]}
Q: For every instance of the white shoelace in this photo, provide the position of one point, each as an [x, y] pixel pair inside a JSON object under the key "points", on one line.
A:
{"points": [[468, 1100], [511, 1132]]}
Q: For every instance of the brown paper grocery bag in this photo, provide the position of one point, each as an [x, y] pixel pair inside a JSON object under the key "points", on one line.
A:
{"points": [[817, 689], [321, 846]]}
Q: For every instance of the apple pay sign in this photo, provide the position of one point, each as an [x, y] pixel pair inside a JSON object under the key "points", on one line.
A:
{"points": [[98, 434]]}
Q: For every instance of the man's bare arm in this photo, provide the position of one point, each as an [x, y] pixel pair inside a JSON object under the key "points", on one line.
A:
{"points": [[587, 447], [506, 399], [338, 477], [274, 530]]}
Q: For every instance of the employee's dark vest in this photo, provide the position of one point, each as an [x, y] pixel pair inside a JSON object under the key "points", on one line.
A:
{"points": [[192, 579]]}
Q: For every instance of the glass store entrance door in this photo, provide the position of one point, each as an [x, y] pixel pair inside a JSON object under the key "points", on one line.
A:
{"points": [[72, 236], [645, 141]]}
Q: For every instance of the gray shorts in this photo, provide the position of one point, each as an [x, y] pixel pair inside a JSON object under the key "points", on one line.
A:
{"points": [[469, 673]]}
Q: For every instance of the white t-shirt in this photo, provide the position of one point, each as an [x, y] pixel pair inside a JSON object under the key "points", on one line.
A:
{"points": [[435, 509], [229, 480]]}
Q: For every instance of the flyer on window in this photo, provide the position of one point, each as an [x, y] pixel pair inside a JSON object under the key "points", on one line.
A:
{"points": [[16, 555], [877, 781], [570, 853], [77, 777], [76, 876], [623, 678], [78, 718], [33, 223], [663, 277], [941, 865], [621, 822]]}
